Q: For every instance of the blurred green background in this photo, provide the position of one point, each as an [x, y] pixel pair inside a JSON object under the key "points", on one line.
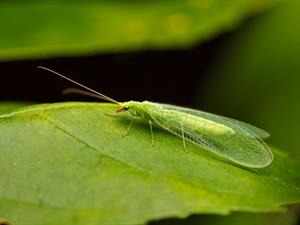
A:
{"points": [[256, 75], [234, 58]]}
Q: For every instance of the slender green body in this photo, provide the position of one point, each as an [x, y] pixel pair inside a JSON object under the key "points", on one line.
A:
{"points": [[150, 110], [234, 140]]}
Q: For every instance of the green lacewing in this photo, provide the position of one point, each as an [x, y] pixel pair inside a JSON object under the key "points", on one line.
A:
{"points": [[231, 139]]}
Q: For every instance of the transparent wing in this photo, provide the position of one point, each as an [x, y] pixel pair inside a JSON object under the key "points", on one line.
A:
{"points": [[256, 132], [244, 147]]}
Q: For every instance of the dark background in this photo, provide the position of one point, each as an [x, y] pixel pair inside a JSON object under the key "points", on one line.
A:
{"points": [[166, 76]]}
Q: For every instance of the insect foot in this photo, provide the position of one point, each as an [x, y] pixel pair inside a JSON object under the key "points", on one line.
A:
{"points": [[128, 128]]}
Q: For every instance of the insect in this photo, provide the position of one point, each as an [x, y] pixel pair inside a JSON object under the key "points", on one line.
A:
{"points": [[233, 140]]}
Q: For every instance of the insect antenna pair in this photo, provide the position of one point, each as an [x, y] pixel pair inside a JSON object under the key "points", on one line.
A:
{"points": [[90, 92]]}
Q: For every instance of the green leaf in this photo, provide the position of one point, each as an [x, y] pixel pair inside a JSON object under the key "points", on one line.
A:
{"points": [[7, 106], [39, 29], [67, 163]]}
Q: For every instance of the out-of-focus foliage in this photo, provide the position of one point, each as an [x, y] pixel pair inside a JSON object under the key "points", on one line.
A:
{"points": [[286, 218], [39, 29], [257, 76]]}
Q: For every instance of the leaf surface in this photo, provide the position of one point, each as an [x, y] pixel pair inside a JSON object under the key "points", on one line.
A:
{"points": [[67, 163]]}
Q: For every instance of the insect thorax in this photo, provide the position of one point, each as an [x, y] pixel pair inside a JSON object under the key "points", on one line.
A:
{"points": [[136, 108]]}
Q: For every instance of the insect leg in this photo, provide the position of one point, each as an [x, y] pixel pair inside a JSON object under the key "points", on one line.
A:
{"points": [[128, 128], [183, 138], [151, 130], [114, 114]]}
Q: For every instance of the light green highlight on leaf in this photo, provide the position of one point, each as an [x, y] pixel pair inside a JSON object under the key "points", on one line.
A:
{"points": [[8, 106], [40, 29]]}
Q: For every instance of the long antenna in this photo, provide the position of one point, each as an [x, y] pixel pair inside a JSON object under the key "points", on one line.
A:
{"points": [[101, 96], [81, 92]]}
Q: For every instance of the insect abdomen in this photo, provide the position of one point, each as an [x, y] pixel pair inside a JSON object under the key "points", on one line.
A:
{"points": [[198, 124], [203, 125]]}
